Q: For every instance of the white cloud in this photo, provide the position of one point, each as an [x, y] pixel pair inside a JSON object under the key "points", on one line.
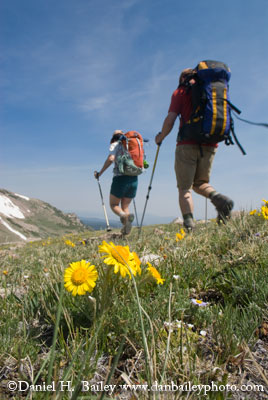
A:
{"points": [[95, 103]]}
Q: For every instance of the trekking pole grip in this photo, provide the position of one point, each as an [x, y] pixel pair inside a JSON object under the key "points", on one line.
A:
{"points": [[96, 175], [159, 144]]}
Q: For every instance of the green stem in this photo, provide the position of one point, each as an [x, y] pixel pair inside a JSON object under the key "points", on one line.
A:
{"points": [[55, 335], [89, 351], [169, 335], [145, 344], [118, 354]]}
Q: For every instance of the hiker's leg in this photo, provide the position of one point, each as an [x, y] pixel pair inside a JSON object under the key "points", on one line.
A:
{"points": [[186, 201], [205, 189], [123, 190], [130, 190], [185, 168], [116, 194], [187, 208], [115, 205], [123, 212], [127, 221], [223, 204], [125, 202], [202, 175]]}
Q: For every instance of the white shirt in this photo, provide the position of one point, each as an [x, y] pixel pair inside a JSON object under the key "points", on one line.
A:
{"points": [[114, 150]]}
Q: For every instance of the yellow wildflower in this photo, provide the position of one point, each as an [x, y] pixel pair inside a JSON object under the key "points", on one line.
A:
{"points": [[155, 274], [80, 277], [69, 243], [264, 212], [136, 262], [181, 235], [253, 212], [121, 258]]}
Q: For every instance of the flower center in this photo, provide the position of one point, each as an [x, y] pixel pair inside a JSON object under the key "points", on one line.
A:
{"points": [[120, 254], [79, 276]]}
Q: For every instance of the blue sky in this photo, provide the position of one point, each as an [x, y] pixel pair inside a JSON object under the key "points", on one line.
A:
{"points": [[74, 71]]}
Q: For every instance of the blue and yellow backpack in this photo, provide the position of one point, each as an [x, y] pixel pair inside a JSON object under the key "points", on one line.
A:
{"points": [[211, 120]]}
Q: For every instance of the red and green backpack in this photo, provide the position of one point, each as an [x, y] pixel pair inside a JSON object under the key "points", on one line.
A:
{"points": [[130, 156]]}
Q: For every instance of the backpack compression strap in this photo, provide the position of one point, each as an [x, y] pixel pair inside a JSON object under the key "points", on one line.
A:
{"points": [[264, 124], [235, 138]]}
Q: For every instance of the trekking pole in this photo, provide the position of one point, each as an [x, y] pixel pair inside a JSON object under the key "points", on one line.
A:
{"points": [[150, 186], [104, 209], [136, 215], [206, 211]]}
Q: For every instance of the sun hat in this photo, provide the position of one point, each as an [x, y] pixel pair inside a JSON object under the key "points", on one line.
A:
{"points": [[118, 131]]}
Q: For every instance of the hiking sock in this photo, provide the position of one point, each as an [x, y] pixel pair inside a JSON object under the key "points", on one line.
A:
{"points": [[189, 215], [123, 217], [212, 194]]}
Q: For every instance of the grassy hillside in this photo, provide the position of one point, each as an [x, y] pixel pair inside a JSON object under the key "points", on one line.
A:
{"points": [[199, 318], [23, 219]]}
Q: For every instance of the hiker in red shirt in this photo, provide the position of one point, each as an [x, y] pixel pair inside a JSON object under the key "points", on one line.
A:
{"points": [[193, 161]]}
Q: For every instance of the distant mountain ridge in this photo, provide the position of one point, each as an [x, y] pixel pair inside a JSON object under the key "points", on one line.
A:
{"points": [[24, 219], [99, 223]]}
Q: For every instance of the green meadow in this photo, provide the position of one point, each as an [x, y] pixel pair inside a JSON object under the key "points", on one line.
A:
{"points": [[193, 323]]}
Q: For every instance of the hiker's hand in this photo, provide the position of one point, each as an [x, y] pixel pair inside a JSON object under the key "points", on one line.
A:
{"points": [[96, 174], [159, 138]]}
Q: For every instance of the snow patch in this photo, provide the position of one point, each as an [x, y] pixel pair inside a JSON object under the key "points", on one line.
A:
{"points": [[13, 230], [23, 197], [9, 209]]}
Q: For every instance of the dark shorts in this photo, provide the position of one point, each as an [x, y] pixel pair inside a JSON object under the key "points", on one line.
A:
{"points": [[124, 186]]}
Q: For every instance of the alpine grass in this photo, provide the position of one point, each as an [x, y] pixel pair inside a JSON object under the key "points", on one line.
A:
{"points": [[199, 320]]}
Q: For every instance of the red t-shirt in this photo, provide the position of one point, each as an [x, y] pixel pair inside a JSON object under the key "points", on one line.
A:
{"points": [[181, 104]]}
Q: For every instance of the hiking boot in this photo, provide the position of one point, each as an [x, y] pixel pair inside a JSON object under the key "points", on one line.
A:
{"points": [[128, 224], [224, 206], [188, 223]]}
